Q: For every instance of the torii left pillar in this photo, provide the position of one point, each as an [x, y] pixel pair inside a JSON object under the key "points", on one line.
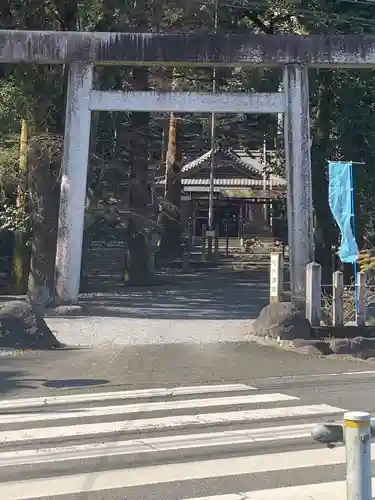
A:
{"points": [[73, 184], [298, 174]]}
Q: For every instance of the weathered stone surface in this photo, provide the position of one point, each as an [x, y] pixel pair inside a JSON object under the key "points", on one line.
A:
{"points": [[359, 347], [344, 331], [22, 327], [282, 321], [58, 47]]}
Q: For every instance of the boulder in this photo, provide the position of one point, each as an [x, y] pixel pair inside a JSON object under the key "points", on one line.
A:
{"points": [[68, 310], [22, 326], [282, 321], [359, 347], [312, 346]]}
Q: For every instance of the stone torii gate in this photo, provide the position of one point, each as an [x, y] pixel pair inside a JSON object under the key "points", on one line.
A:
{"points": [[81, 51]]}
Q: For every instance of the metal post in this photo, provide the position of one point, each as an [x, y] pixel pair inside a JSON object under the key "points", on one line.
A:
{"points": [[212, 169], [265, 206], [357, 431]]}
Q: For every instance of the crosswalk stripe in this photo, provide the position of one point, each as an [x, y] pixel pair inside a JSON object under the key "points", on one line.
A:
{"points": [[150, 427], [131, 394], [145, 407], [154, 445], [153, 475], [335, 490], [159, 423]]}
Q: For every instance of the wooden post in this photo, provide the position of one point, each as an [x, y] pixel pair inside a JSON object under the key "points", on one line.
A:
{"points": [[226, 239], [217, 241], [313, 293], [203, 241], [185, 260], [361, 298], [194, 228], [337, 298], [190, 231], [276, 277], [152, 262]]}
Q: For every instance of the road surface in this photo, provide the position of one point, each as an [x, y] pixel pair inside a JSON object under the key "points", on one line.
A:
{"points": [[248, 439]]}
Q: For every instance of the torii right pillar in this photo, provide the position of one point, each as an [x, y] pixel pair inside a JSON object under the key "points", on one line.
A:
{"points": [[298, 174]]}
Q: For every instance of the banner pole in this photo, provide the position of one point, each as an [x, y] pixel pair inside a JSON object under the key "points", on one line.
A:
{"points": [[348, 206], [355, 262]]}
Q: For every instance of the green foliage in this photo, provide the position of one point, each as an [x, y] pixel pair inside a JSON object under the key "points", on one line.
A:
{"points": [[13, 219], [9, 155], [342, 104]]}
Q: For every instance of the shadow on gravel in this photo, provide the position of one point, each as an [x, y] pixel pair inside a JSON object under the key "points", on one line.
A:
{"points": [[74, 383], [14, 380], [202, 295]]}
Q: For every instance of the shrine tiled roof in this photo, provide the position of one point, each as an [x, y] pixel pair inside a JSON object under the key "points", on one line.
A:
{"points": [[246, 160]]}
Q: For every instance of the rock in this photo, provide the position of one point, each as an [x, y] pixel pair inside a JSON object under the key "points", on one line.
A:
{"points": [[359, 347], [313, 346], [340, 346], [22, 327], [72, 310], [282, 321]]}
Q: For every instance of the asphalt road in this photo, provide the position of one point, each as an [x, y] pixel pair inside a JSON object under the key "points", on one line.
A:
{"points": [[236, 426]]}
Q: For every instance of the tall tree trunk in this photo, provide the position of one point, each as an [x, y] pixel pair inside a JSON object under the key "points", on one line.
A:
{"points": [[44, 192], [138, 269], [170, 219], [44, 182], [21, 252]]}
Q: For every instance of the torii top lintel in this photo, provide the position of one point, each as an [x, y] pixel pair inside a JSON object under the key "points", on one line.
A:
{"points": [[186, 49]]}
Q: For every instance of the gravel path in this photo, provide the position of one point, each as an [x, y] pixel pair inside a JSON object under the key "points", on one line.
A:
{"points": [[201, 308]]}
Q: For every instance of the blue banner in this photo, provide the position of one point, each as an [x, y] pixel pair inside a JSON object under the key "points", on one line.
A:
{"points": [[340, 197]]}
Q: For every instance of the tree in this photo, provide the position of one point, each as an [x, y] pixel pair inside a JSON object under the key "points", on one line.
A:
{"points": [[170, 215], [124, 148]]}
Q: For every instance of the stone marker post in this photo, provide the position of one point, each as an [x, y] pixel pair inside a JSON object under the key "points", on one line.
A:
{"points": [[337, 298], [276, 277], [361, 298], [313, 293]]}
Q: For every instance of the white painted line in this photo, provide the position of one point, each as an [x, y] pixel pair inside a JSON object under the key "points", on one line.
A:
{"points": [[153, 445], [188, 471], [143, 407], [334, 491], [160, 423], [314, 375], [140, 393]]}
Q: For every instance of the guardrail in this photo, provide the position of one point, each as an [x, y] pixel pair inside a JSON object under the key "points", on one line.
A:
{"points": [[355, 432]]}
